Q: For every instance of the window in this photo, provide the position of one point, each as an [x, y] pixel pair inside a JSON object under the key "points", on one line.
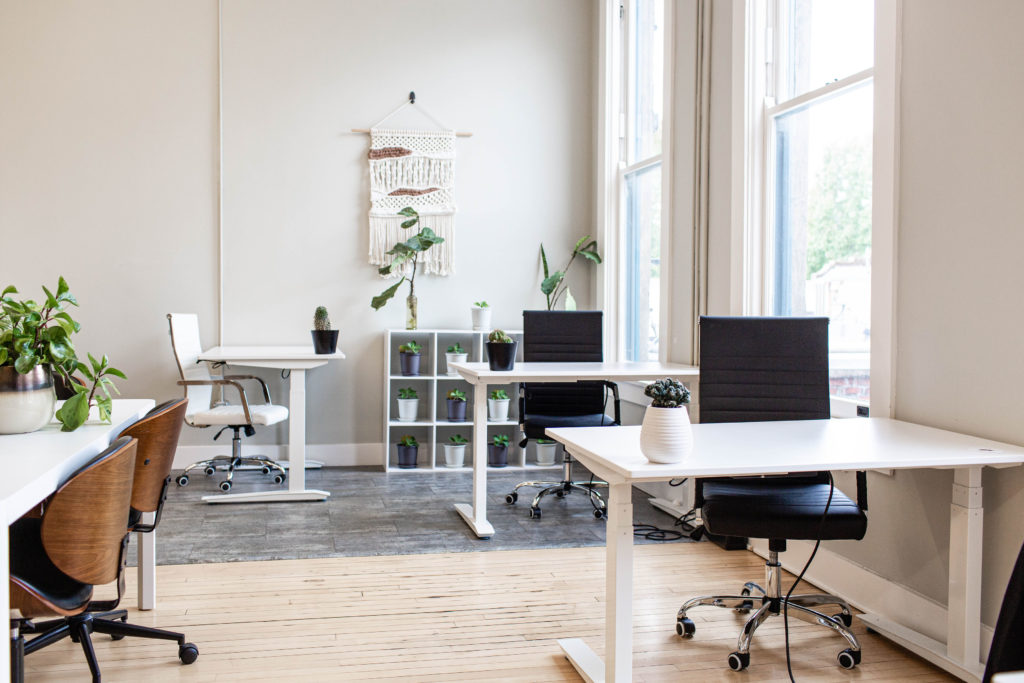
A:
{"points": [[815, 169], [640, 175]]}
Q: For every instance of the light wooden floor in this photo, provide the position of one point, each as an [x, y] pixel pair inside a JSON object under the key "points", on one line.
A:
{"points": [[457, 617]]}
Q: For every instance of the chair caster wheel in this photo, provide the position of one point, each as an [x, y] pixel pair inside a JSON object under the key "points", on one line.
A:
{"points": [[598, 513], [847, 619], [738, 661], [848, 658], [512, 498], [265, 470], [225, 486], [210, 470], [560, 494], [116, 636], [534, 513], [278, 478], [182, 480], [747, 605], [188, 653], [685, 628]]}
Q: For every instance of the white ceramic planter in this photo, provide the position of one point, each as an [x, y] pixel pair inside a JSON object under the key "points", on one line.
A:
{"points": [[27, 402], [666, 435], [497, 409], [408, 409], [546, 453], [450, 358], [454, 455], [481, 318]]}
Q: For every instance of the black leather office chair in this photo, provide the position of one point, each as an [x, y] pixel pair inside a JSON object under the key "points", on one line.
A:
{"points": [[563, 337], [1006, 653], [757, 370]]}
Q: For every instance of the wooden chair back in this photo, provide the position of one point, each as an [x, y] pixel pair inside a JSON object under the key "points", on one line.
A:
{"points": [[158, 433], [86, 520]]}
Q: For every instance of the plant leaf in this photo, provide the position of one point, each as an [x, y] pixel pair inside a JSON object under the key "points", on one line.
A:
{"points": [[544, 260], [549, 284], [104, 403], [74, 412], [409, 223], [378, 301], [409, 212], [580, 242], [116, 373], [24, 363]]}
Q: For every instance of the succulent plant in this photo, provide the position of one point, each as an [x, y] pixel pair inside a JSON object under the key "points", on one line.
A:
{"points": [[458, 439], [545, 442], [499, 395], [500, 440], [667, 393], [480, 304], [412, 347], [321, 321], [409, 441], [407, 392], [456, 348], [457, 395], [499, 336]]}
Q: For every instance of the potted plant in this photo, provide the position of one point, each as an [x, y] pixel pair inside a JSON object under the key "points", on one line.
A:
{"points": [[408, 404], [497, 451], [553, 285], [409, 358], [35, 346], [456, 406], [666, 435], [497, 406], [501, 350], [408, 447], [455, 451], [325, 340], [481, 315], [546, 452], [455, 354], [407, 252]]}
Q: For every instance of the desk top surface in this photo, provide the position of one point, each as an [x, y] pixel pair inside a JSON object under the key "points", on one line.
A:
{"points": [[749, 448], [34, 464], [477, 373], [227, 354]]}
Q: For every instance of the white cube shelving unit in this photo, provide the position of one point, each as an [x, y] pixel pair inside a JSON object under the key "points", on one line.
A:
{"points": [[431, 427]]}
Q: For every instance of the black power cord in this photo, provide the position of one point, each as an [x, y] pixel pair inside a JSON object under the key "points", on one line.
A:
{"points": [[789, 594]]}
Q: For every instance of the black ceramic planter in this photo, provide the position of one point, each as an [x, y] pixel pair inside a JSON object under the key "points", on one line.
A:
{"points": [[407, 457], [497, 456], [325, 341], [456, 410], [501, 356], [410, 363]]}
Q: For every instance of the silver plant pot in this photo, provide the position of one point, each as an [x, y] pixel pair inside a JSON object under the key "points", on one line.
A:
{"points": [[27, 402]]}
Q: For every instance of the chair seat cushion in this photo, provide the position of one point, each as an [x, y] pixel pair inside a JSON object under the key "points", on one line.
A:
{"points": [[534, 425], [33, 572], [262, 414], [773, 509]]}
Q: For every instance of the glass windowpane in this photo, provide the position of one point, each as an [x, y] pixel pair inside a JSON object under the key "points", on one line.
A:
{"points": [[643, 262], [646, 79]]}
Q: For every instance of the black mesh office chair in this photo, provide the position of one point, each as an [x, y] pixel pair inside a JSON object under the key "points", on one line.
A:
{"points": [[1006, 653], [563, 337], [758, 370]]}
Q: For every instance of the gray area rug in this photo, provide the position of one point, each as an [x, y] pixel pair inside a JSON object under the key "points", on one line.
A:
{"points": [[374, 513]]}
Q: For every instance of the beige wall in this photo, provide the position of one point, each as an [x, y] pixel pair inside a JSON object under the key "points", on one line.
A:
{"points": [[109, 146]]}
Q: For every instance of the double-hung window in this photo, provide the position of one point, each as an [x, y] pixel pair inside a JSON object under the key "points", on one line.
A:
{"points": [[814, 165]]}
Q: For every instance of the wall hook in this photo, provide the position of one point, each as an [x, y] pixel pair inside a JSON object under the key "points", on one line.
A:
{"points": [[412, 97]]}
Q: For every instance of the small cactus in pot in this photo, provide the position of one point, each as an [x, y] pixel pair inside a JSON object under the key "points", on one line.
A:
{"points": [[325, 340]]}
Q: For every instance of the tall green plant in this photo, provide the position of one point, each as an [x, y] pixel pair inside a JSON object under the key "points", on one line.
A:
{"points": [[409, 250], [553, 286]]}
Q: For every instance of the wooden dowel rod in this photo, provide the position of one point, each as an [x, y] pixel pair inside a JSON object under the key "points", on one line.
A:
{"points": [[458, 133]]}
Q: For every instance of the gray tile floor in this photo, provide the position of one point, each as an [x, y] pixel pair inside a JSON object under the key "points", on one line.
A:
{"points": [[373, 513]]}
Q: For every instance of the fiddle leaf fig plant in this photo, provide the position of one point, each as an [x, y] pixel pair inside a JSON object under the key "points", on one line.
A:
{"points": [[553, 286]]}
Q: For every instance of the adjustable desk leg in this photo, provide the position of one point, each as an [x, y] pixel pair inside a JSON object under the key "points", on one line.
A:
{"points": [[475, 515], [146, 570], [965, 535]]}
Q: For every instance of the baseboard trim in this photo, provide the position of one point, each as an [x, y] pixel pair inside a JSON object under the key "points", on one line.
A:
{"points": [[868, 591], [331, 455]]}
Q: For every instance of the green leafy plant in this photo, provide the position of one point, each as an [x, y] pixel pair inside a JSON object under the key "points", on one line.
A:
{"points": [[499, 395], [480, 304], [33, 334], [499, 336], [321, 321], [458, 439], [545, 442], [457, 395], [456, 348], [407, 251], [409, 441], [407, 392], [500, 440], [553, 286], [667, 393], [412, 347]]}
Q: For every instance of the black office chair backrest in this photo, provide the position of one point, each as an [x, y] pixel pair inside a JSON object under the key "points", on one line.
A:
{"points": [[1006, 653], [563, 337]]}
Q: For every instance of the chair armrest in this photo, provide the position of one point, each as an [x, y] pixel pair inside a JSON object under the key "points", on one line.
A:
{"points": [[615, 404], [220, 382], [263, 385]]}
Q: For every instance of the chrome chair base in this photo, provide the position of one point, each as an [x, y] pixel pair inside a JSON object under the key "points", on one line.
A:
{"points": [[560, 489], [233, 463], [771, 603]]}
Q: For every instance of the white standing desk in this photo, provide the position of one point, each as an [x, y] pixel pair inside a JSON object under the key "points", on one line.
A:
{"points": [[36, 464], [295, 359], [752, 448], [480, 376]]}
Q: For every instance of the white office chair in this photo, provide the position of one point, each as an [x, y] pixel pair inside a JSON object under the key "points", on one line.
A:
{"points": [[199, 383]]}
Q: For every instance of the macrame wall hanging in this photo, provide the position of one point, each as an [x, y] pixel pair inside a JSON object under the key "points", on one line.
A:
{"points": [[412, 168]]}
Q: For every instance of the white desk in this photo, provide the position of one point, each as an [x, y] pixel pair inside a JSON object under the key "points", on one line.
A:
{"points": [[35, 464], [480, 376], [295, 359], [613, 453]]}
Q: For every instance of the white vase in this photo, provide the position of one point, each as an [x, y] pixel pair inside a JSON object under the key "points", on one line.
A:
{"points": [[481, 318], [27, 402], [408, 408], [450, 358], [454, 455], [546, 453], [666, 435], [497, 409]]}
